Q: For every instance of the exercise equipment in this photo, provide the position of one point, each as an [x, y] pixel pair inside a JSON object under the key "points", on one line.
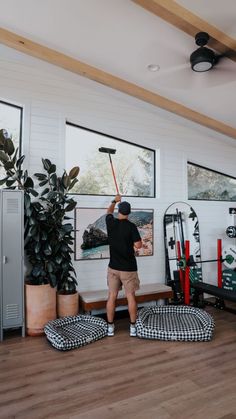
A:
{"points": [[231, 232], [229, 254], [75, 331], [200, 287], [229, 280], [220, 293], [229, 259], [175, 323], [110, 151], [180, 224]]}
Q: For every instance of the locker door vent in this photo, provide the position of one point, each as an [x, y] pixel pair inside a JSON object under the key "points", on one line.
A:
{"points": [[12, 311], [12, 206]]}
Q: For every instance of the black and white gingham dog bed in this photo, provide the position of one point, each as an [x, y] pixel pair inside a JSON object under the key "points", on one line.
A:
{"points": [[174, 323], [74, 331]]}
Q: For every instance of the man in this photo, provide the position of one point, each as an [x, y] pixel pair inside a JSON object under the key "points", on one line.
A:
{"points": [[124, 238]]}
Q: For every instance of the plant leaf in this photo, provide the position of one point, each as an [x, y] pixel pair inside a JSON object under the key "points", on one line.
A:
{"points": [[66, 181], [33, 192], [46, 164], [8, 165], [29, 182], [3, 157], [44, 182], [70, 206], [52, 169], [3, 181], [74, 181], [45, 191], [9, 147], [47, 249], [20, 161], [40, 176], [74, 172], [9, 183]]}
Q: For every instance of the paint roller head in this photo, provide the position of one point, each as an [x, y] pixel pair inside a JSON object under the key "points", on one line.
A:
{"points": [[107, 150]]}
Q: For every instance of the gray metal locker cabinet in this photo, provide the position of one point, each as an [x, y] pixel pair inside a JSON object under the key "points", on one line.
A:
{"points": [[11, 260]]}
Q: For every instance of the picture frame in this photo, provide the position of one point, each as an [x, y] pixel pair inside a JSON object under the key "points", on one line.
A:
{"points": [[91, 241]]}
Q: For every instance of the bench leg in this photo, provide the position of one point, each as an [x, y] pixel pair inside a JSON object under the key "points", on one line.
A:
{"points": [[198, 300], [219, 303]]}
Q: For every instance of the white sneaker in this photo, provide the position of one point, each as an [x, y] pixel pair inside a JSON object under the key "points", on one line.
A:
{"points": [[110, 329], [132, 330]]}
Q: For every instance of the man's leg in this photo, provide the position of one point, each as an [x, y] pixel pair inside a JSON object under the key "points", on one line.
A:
{"points": [[132, 306], [130, 281], [111, 305]]}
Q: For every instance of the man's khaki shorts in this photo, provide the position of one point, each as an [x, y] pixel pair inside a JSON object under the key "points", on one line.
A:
{"points": [[115, 280]]}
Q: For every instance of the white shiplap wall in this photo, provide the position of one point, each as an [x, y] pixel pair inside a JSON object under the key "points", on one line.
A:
{"points": [[51, 96]]}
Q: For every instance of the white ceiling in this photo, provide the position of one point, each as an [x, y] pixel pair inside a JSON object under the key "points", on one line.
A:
{"points": [[122, 38]]}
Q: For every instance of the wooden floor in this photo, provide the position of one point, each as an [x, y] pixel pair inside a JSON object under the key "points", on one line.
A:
{"points": [[121, 377]]}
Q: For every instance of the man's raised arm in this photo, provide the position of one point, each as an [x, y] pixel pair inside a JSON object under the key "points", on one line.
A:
{"points": [[112, 205]]}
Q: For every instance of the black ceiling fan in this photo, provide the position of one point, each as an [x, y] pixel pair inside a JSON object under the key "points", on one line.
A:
{"points": [[203, 58], [186, 73]]}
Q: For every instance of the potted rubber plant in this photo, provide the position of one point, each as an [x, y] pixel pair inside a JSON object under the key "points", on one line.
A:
{"points": [[48, 238], [59, 260]]}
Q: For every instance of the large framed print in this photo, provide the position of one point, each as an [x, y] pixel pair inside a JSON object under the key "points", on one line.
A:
{"points": [[91, 241]]}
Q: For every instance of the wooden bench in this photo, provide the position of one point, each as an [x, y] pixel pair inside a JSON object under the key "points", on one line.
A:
{"points": [[95, 300]]}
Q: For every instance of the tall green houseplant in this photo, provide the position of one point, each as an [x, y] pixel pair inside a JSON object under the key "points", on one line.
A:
{"points": [[48, 234]]}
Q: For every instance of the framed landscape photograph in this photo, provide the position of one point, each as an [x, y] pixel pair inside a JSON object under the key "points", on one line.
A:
{"points": [[91, 241]]}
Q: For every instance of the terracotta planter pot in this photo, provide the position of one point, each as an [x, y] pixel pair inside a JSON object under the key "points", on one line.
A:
{"points": [[40, 307], [67, 304]]}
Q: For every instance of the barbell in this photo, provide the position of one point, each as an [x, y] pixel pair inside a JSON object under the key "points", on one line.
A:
{"points": [[229, 261]]}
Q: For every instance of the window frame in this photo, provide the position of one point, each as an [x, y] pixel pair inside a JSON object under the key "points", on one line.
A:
{"points": [[210, 170], [123, 141], [12, 105]]}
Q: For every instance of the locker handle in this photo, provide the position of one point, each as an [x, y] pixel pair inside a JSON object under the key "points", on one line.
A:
{"points": [[4, 260]]}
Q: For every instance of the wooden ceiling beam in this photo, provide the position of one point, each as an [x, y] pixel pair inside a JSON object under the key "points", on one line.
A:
{"points": [[186, 21], [66, 62]]}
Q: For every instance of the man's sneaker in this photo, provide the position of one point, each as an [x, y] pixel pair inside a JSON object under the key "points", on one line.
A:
{"points": [[110, 329], [132, 330]]}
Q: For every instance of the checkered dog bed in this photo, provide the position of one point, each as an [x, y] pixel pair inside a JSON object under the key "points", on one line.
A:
{"points": [[74, 331], [174, 323]]}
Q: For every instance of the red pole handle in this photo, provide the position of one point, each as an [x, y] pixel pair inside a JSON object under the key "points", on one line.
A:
{"points": [[114, 176]]}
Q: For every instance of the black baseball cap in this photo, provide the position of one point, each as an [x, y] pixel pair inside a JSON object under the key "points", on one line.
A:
{"points": [[124, 208]]}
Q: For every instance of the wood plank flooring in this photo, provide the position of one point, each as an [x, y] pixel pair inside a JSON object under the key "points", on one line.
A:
{"points": [[121, 377]]}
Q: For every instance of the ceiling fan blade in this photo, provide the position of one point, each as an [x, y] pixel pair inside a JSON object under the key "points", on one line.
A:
{"points": [[177, 78], [182, 76]]}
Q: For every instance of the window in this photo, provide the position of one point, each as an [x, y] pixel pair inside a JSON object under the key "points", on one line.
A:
{"points": [[209, 185], [11, 120], [134, 165]]}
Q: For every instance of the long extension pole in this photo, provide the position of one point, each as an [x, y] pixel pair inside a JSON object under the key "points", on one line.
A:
{"points": [[110, 151], [113, 173]]}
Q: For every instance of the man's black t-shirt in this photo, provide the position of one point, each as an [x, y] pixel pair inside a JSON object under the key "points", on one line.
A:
{"points": [[122, 234]]}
